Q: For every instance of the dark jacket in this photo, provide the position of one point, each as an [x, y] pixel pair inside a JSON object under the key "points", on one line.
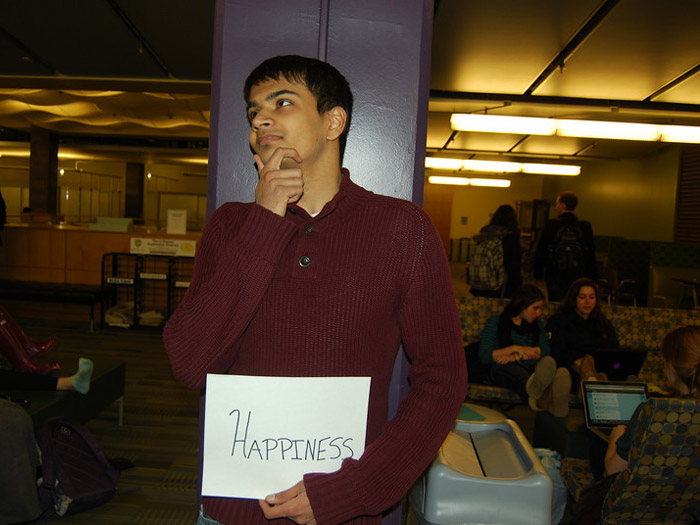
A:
{"points": [[572, 337], [549, 232]]}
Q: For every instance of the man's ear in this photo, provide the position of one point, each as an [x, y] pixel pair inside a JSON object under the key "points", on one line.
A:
{"points": [[337, 117]]}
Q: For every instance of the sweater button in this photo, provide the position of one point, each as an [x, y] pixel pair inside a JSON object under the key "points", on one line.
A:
{"points": [[304, 261], [309, 230]]}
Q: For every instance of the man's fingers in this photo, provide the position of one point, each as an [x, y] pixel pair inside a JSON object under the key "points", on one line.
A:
{"points": [[292, 503], [275, 160], [285, 495], [258, 162]]}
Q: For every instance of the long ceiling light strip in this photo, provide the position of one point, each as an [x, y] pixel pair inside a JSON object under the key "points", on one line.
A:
{"points": [[575, 128], [464, 181], [492, 166]]}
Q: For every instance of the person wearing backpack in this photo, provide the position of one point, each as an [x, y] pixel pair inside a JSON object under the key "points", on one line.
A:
{"points": [[566, 250], [495, 266]]}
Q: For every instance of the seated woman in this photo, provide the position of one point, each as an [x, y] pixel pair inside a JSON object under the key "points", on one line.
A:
{"points": [[680, 349], [578, 330], [515, 344]]}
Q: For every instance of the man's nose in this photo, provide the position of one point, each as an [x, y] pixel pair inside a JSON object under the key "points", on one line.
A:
{"points": [[261, 118]]}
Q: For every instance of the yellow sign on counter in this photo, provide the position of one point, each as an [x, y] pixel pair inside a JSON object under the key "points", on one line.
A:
{"points": [[170, 247]]}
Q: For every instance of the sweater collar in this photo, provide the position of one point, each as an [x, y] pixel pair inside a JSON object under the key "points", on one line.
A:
{"points": [[347, 192]]}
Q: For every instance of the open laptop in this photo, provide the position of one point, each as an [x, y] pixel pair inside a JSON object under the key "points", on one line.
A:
{"points": [[607, 404], [619, 363]]}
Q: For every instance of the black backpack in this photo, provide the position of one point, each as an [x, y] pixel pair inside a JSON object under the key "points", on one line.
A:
{"points": [[567, 252], [76, 475]]}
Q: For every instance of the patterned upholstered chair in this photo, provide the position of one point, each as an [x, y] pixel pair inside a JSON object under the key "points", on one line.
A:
{"points": [[662, 481]]}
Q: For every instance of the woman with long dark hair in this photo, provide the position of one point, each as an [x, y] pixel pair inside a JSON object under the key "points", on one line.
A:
{"points": [[579, 329], [515, 344], [503, 227]]}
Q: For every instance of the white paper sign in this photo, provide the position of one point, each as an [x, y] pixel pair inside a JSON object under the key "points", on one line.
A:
{"points": [[262, 434], [177, 222]]}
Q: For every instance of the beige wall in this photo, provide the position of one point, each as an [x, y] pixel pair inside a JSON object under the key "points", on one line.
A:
{"points": [[477, 204], [634, 198], [100, 188]]}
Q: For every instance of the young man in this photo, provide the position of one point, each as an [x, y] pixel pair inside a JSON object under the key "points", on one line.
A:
{"points": [[566, 249], [320, 277]]}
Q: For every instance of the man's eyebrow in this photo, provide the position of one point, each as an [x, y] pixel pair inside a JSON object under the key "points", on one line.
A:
{"points": [[273, 96]]}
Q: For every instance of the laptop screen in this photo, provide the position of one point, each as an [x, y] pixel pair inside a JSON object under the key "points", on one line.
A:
{"points": [[610, 403]]}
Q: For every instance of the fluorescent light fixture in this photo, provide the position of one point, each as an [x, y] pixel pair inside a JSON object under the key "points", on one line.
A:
{"points": [[687, 134], [607, 130], [463, 181], [551, 169], [494, 183], [438, 163], [600, 129], [502, 124], [457, 181], [494, 166]]}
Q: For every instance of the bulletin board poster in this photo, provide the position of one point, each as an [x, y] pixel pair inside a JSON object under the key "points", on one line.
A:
{"points": [[262, 434]]}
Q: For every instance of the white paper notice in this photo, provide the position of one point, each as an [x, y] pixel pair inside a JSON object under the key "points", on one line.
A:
{"points": [[177, 222], [262, 434]]}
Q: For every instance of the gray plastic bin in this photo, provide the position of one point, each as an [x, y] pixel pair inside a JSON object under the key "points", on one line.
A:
{"points": [[486, 472]]}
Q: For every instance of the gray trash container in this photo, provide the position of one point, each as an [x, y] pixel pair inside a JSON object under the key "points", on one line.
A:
{"points": [[486, 472]]}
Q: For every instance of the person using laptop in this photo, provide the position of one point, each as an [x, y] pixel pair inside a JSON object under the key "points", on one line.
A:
{"points": [[680, 349], [515, 345], [579, 330]]}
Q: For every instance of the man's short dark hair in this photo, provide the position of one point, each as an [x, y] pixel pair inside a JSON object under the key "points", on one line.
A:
{"points": [[569, 200], [328, 86]]}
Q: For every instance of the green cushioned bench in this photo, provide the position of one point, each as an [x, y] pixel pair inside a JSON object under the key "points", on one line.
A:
{"points": [[636, 327], [107, 386]]}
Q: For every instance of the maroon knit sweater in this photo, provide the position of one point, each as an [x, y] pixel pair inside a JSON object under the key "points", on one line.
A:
{"points": [[376, 276]]}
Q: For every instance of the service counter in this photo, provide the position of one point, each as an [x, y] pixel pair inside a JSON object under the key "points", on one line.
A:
{"points": [[66, 253]]}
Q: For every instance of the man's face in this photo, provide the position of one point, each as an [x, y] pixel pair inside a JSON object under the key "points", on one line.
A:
{"points": [[283, 114]]}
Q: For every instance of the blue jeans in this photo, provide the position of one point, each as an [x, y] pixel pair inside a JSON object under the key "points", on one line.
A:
{"points": [[206, 519]]}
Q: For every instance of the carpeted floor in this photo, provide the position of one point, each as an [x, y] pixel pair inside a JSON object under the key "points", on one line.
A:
{"points": [[161, 421]]}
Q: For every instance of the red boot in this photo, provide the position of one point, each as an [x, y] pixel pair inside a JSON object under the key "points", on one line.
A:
{"points": [[15, 353], [33, 348]]}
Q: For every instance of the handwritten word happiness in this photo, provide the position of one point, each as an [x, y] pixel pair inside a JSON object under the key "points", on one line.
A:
{"points": [[286, 448]]}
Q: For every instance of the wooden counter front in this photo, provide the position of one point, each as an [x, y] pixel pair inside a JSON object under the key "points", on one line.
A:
{"points": [[64, 254]]}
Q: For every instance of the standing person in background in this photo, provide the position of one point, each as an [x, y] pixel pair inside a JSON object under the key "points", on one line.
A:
{"points": [[515, 344], [566, 249], [321, 278], [497, 259], [578, 330]]}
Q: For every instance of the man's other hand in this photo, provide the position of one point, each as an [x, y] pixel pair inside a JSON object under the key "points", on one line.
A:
{"points": [[278, 186], [292, 503]]}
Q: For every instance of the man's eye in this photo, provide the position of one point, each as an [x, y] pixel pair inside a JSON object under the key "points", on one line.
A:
{"points": [[283, 102], [251, 115]]}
